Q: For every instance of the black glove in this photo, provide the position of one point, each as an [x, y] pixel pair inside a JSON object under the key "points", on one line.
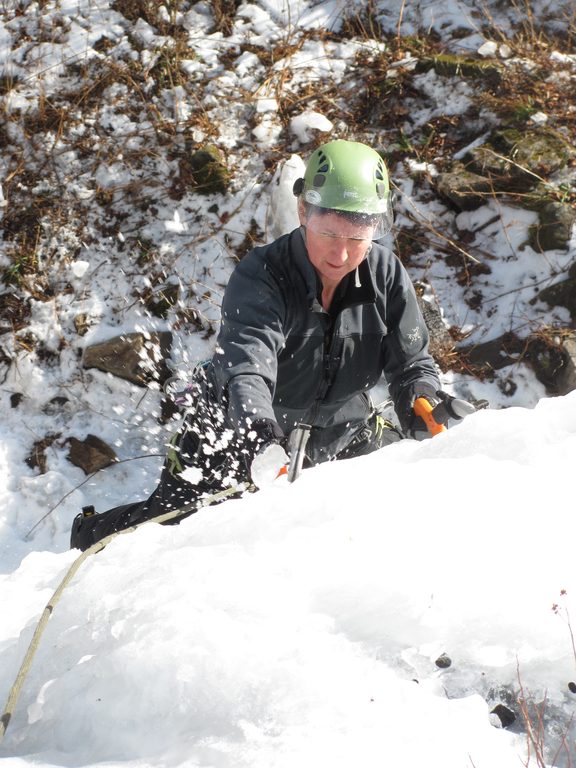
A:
{"points": [[258, 434], [264, 451], [412, 425], [450, 407], [444, 408]]}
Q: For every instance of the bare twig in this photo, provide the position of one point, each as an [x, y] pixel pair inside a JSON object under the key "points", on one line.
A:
{"points": [[421, 218]]}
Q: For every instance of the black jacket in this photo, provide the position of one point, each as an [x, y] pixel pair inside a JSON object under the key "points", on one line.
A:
{"points": [[281, 356]]}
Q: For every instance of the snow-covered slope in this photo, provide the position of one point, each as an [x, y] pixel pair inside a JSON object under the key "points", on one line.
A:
{"points": [[301, 625]]}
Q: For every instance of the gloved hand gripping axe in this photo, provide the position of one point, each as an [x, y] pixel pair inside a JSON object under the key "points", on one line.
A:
{"points": [[436, 416]]}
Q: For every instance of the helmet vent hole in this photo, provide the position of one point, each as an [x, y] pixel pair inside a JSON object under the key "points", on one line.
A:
{"points": [[379, 174], [319, 180], [323, 168], [381, 189]]}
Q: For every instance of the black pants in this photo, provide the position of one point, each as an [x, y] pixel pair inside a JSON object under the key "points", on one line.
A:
{"points": [[203, 459]]}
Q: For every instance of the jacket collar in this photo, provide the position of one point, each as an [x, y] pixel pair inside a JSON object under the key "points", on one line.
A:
{"points": [[363, 293]]}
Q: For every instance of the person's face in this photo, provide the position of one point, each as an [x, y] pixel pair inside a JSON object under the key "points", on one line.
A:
{"points": [[335, 245]]}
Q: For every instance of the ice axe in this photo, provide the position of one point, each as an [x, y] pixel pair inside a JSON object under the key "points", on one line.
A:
{"points": [[436, 416], [297, 450]]}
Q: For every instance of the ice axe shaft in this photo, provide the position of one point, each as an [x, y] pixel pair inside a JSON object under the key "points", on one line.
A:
{"points": [[297, 450]]}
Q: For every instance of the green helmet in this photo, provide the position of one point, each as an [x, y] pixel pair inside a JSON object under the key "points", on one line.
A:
{"points": [[349, 177]]}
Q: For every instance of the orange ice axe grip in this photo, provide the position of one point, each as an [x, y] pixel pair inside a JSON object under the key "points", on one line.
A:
{"points": [[424, 409]]}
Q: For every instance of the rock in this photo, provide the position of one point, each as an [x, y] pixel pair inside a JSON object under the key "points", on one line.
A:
{"points": [[554, 228], [495, 354], [516, 161], [562, 294], [504, 714], [554, 362], [137, 357], [567, 381], [552, 358], [90, 454], [572, 687], [541, 151], [204, 171], [16, 399], [443, 661], [55, 405], [463, 189], [488, 162], [451, 65], [441, 343]]}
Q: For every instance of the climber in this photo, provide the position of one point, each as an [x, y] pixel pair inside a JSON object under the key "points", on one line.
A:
{"points": [[311, 323]]}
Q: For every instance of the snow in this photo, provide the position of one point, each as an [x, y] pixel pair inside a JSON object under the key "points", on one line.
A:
{"points": [[299, 625], [304, 124], [488, 49], [282, 215], [268, 465]]}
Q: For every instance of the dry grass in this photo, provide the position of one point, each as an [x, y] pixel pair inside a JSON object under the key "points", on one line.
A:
{"points": [[543, 750]]}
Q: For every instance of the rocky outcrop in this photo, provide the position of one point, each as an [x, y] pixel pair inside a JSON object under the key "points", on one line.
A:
{"points": [[489, 356], [554, 228], [562, 294], [137, 357], [463, 189], [451, 65], [553, 360], [518, 165], [441, 344], [551, 356], [517, 161], [204, 171], [91, 454]]}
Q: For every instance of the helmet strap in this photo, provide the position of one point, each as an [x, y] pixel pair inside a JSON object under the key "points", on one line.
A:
{"points": [[298, 187]]}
